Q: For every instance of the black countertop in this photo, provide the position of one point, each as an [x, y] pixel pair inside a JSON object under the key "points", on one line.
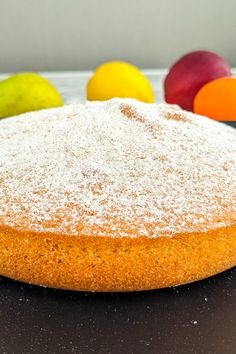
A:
{"points": [[198, 318]]}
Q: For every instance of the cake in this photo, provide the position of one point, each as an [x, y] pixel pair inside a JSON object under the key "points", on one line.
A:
{"points": [[116, 196]]}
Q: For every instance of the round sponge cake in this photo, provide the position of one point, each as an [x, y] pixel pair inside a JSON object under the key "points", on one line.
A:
{"points": [[116, 196]]}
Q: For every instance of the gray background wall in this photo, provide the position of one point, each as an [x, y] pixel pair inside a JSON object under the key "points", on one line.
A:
{"points": [[80, 34]]}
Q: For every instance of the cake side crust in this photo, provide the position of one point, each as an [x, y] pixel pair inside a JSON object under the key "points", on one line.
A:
{"points": [[93, 263]]}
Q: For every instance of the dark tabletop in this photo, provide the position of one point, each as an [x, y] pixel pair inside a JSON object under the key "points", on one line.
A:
{"points": [[197, 318]]}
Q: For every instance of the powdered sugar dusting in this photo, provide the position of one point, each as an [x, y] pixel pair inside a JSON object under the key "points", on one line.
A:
{"points": [[117, 168]]}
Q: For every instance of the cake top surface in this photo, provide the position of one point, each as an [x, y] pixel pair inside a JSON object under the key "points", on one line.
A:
{"points": [[116, 168]]}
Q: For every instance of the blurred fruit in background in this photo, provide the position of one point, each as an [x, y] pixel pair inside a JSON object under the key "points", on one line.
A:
{"points": [[217, 99], [24, 92], [190, 73], [119, 79]]}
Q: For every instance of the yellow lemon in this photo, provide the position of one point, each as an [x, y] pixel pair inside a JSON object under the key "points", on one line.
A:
{"points": [[119, 79], [24, 92]]}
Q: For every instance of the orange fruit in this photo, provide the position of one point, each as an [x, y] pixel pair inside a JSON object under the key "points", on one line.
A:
{"points": [[217, 99]]}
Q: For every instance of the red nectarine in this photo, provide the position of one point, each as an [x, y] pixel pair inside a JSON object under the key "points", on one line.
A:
{"points": [[190, 73]]}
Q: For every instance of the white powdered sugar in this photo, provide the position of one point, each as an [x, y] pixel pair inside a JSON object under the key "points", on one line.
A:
{"points": [[116, 168]]}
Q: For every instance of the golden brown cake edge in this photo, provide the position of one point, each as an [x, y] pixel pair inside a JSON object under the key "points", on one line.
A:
{"points": [[100, 263]]}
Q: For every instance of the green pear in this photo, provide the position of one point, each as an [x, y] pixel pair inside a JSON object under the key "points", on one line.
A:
{"points": [[24, 92]]}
